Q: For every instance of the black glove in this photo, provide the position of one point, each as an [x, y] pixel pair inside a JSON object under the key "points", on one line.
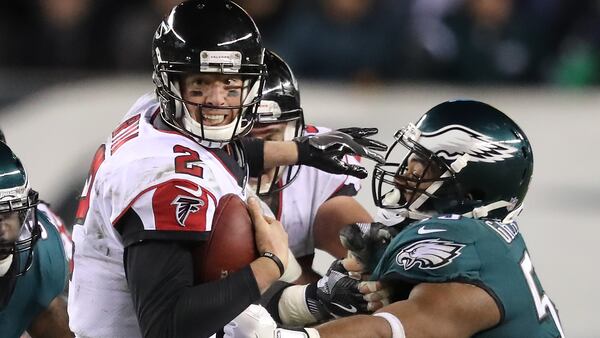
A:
{"points": [[367, 241], [325, 151], [335, 295], [360, 135]]}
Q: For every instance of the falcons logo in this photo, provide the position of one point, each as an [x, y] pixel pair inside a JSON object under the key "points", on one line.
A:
{"points": [[185, 206], [429, 254], [454, 140]]}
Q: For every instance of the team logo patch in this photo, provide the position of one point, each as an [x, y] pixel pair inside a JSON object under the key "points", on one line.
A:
{"points": [[452, 141], [429, 254], [185, 206]]}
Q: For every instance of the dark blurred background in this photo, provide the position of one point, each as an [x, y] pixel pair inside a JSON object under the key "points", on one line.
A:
{"points": [[366, 41]]}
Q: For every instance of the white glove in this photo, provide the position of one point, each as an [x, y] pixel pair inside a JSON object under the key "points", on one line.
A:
{"points": [[254, 322]]}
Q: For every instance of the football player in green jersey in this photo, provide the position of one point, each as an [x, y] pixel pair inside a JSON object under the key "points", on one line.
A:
{"points": [[33, 267], [455, 261]]}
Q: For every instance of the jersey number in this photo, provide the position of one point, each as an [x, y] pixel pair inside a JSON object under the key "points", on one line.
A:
{"points": [[189, 162], [542, 302]]}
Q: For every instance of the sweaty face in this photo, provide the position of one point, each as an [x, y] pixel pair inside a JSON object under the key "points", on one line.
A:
{"points": [[418, 175], [10, 228], [218, 94]]}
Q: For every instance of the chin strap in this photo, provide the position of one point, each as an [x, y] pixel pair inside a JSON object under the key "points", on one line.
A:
{"points": [[484, 210], [459, 164]]}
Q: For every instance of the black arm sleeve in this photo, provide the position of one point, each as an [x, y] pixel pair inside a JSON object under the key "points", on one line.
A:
{"points": [[160, 278], [255, 154]]}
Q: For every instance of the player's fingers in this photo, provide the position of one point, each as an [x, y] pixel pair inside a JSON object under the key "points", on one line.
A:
{"points": [[377, 295], [255, 210], [356, 171], [365, 132], [376, 305], [356, 132], [374, 145], [369, 287], [351, 264]]}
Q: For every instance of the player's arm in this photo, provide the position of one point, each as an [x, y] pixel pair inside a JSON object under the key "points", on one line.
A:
{"points": [[160, 277], [325, 151], [432, 310], [51, 322], [331, 217]]}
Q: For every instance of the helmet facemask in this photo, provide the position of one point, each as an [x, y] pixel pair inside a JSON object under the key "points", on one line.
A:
{"points": [[415, 184], [175, 110], [20, 231]]}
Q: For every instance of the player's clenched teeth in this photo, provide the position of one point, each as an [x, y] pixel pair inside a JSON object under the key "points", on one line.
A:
{"points": [[213, 119]]}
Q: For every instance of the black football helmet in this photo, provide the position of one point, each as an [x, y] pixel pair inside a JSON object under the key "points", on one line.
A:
{"points": [[19, 228], [280, 105], [208, 37], [483, 158]]}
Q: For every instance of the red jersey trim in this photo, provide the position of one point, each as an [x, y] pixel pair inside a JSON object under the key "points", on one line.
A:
{"points": [[175, 180]]}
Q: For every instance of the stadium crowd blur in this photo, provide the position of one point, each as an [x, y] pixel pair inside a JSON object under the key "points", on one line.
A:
{"points": [[367, 41]]}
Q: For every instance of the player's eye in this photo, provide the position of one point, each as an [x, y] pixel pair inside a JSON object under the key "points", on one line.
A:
{"points": [[233, 92]]}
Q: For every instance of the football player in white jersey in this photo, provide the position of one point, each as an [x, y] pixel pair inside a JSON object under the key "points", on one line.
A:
{"points": [[313, 205], [154, 185]]}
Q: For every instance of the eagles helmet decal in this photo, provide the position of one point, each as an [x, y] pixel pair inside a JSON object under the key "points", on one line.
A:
{"points": [[185, 206], [454, 140], [429, 254]]}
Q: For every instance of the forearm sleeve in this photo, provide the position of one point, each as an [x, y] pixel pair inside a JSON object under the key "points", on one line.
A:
{"points": [[255, 155], [167, 303]]}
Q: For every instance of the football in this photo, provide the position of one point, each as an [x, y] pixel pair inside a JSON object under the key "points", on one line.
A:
{"points": [[230, 245]]}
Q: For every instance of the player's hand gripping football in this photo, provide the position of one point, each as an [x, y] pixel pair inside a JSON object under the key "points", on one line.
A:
{"points": [[269, 234], [325, 151]]}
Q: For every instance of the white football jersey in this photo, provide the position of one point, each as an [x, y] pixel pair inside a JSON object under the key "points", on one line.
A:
{"points": [[169, 180], [300, 201]]}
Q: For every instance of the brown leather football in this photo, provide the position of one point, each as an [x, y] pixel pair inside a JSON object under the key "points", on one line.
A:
{"points": [[230, 245]]}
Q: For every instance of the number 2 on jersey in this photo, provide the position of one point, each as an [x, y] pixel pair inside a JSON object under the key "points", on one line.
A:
{"points": [[189, 162], [542, 302]]}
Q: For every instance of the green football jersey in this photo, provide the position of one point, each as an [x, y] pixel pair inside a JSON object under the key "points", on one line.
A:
{"points": [[43, 282], [485, 253]]}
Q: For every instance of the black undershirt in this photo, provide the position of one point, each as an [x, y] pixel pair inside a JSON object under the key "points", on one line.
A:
{"points": [[160, 277]]}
